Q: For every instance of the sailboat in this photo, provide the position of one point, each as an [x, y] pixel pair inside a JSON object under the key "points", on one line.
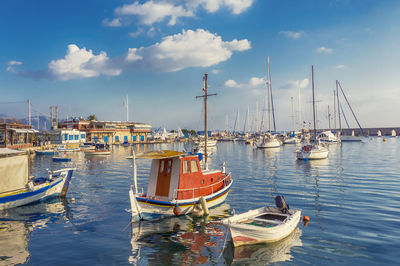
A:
{"points": [[352, 137], [315, 150], [379, 133], [394, 133], [177, 183], [269, 140], [291, 138]]}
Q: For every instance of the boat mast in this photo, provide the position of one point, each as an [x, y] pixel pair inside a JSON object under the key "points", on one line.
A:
{"points": [[338, 105], [269, 97], [127, 108], [272, 99], [205, 96], [334, 109], [292, 114], [329, 118], [313, 102]]}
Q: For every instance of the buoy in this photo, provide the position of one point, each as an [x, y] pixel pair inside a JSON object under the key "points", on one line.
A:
{"points": [[384, 140], [203, 203], [306, 220], [197, 210], [177, 210]]}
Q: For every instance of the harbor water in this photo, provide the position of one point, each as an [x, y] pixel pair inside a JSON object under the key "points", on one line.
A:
{"points": [[352, 199]]}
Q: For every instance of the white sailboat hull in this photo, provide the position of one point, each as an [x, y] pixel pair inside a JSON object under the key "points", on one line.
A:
{"points": [[246, 229], [268, 144], [313, 154]]}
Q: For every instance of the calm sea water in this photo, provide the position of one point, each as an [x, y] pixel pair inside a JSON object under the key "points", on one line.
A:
{"points": [[352, 199]]}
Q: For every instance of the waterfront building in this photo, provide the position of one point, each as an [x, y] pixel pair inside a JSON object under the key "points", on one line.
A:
{"points": [[16, 135], [112, 132], [71, 137]]}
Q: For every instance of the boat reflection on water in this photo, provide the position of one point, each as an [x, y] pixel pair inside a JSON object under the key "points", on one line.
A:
{"points": [[17, 223], [262, 254], [179, 240]]}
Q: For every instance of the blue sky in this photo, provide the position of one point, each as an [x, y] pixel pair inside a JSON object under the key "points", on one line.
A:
{"points": [[85, 56]]}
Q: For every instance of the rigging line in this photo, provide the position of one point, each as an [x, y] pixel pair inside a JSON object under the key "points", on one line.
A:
{"points": [[43, 114], [344, 116], [351, 109], [12, 102]]}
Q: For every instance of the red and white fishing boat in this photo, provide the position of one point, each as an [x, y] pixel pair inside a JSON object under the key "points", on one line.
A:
{"points": [[177, 184]]}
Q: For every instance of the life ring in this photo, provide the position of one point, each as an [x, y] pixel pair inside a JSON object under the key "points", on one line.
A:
{"points": [[307, 148]]}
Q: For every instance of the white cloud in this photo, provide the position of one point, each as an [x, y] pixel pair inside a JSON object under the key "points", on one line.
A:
{"points": [[11, 64], [324, 50], [339, 67], [292, 34], [116, 22], [211, 6], [81, 63], [215, 71], [136, 33], [296, 84], [252, 83], [231, 84], [152, 11], [190, 48], [156, 11]]}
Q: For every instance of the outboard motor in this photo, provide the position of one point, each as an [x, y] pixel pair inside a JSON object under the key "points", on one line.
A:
{"points": [[281, 204]]}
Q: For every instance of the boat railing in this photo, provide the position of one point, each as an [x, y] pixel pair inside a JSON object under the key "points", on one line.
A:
{"points": [[225, 181]]}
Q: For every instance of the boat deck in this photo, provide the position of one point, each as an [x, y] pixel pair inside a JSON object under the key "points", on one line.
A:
{"points": [[267, 219]]}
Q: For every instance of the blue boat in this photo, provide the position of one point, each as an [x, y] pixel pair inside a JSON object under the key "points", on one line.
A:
{"points": [[17, 189], [61, 159], [46, 152]]}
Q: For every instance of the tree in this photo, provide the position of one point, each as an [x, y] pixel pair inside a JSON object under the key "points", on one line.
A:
{"points": [[92, 117]]}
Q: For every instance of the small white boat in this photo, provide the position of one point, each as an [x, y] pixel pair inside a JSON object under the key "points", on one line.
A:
{"points": [[100, 149], [63, 148], [394, 133], [328, 137], [268, 141], [312, 152], [379, 133], [262, 225], [97, 152], [290, 140]]}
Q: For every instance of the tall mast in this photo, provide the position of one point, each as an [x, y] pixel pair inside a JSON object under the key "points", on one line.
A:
{"points": [[272, 98], [334, 108], [29, 112], [127, 108], [269, 97], [291, 98], [256, 115], [338, 106], [205, 96], [329, 118], [313, 101], [300, 122]]}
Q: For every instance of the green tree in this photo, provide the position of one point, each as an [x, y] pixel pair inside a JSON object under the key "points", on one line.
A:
{"points": [[92, 117]]}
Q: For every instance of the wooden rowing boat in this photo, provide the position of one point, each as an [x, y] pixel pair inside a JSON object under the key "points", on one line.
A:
{"points": [[262, 225]]}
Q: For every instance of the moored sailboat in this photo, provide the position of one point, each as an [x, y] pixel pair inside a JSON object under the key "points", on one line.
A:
{"points": [[269, 140], [315, 150]]}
